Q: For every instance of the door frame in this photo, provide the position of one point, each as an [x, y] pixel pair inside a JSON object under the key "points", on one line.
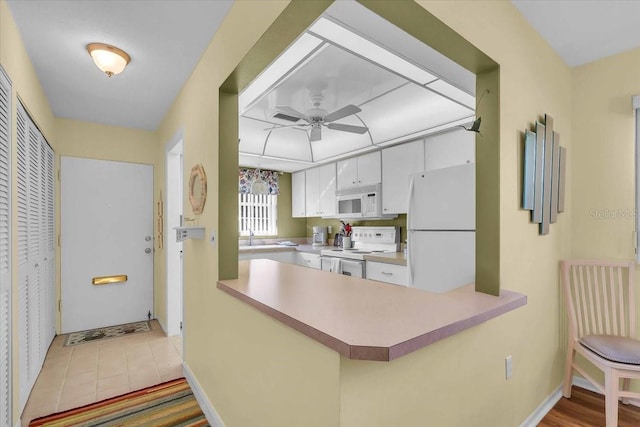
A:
{"points": [[173, 252]]}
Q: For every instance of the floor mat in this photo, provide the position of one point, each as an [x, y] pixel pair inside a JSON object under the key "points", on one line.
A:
{"points": [[81, 337]]}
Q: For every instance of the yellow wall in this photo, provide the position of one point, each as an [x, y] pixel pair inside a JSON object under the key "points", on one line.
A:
{"points": [[603, 213], [603, 157], [429, 384]]}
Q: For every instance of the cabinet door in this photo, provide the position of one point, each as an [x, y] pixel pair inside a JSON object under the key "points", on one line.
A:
{"points": [[312, 189], [457, 147], [388, 273], [397, 164], [308, 260], [327, 189], [347, 172], [369, 169], [298, 197]]}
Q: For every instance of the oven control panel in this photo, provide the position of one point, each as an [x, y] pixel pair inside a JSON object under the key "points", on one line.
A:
{"points": [[389, 234]]}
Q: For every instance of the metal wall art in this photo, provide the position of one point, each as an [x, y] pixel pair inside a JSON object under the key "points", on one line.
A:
{"points": [[544, 174]]}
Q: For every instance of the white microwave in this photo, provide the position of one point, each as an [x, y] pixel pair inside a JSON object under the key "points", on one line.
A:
{"points": [[359, 202]]}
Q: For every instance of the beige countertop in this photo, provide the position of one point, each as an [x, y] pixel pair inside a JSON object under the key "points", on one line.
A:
{"points": [[388, 258], [362, 319]]}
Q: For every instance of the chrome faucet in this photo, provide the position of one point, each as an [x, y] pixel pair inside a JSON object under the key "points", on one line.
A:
{"points": [[251, 237]]}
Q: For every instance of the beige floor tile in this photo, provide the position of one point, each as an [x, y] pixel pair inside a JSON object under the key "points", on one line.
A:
{"points": [[112, 392], [113, 381], [85, 373]]}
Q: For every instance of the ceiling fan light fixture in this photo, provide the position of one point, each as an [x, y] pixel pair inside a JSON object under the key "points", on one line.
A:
{"points": [[110, 59]]}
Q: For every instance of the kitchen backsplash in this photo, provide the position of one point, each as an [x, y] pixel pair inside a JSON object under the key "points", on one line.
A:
{"points": [[400, 221]]}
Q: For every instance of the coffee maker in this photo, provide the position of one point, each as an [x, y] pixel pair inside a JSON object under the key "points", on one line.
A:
{"points": [[319, 236]]}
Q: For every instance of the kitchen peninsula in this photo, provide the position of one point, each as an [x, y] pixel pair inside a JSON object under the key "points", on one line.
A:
{"points": [[362, 319]]}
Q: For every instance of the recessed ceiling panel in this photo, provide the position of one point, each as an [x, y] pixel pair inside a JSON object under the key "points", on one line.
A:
{"points": [[409, 110], [336, 143], [288, 143], [252, 135], [340, 78]]}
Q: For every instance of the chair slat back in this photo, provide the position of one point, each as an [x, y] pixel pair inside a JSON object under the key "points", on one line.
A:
{"points": [[599, 296]]}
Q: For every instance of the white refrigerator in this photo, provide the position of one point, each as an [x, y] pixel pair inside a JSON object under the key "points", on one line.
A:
{"points": [[441, 224]]}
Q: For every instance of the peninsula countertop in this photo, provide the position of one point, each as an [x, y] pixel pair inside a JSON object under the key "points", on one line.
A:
{"points": [[359, 318]]}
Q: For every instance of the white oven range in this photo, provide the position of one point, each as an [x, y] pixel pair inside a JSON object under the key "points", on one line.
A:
{"points": [[365, 240]]}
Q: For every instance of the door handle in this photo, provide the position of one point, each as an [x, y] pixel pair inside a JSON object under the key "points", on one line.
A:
{"points": [[147, 251]]}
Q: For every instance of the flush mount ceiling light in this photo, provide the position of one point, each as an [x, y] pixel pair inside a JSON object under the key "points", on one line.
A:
{"points": [[109, 59]]}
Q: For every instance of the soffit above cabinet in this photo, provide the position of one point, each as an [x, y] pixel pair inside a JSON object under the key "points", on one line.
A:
{"points": [[334, 65]]}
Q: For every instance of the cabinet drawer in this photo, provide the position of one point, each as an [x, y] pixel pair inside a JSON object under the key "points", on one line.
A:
{"points": [[308, 260], [389, 273]]}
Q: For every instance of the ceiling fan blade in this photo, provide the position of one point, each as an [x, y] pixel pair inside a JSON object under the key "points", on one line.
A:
{"points": [[291, 112], [342, 112], [316, 134], [298, 125], [348, 128]]}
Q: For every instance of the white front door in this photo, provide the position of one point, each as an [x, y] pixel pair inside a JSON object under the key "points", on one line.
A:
{"points": [[106, 222]]}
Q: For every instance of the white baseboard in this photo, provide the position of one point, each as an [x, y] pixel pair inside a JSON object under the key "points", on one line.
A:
{"points": [[538, 414], [209, 411]]}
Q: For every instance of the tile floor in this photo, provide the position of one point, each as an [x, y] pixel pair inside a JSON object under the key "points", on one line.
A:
{"points": [[90, 372]]}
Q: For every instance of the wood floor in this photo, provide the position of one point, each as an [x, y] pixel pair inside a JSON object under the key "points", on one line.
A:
{"points": [[586, 409]]}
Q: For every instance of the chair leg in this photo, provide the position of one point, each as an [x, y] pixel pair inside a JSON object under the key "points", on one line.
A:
{"points": [[626, 384], [568, 372], [611, 384]]}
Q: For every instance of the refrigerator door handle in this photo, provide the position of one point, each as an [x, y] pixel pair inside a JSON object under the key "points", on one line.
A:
{"points": [[409, 201]]}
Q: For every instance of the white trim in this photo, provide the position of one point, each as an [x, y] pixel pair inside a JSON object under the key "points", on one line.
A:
{"points": [[539, 413], [205, 404], [635, 102]]}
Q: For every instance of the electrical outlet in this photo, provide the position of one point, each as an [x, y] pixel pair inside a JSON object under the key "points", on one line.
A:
{"points": [[508, 367]]}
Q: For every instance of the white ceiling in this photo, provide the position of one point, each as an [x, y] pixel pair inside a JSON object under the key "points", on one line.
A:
{"points": [[583, 31], [165, 39]]}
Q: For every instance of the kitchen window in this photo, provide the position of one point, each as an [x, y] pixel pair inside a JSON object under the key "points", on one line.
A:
{"points": [[258, 214]]}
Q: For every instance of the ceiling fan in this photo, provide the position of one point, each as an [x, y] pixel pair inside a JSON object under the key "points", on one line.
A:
{"points": [[318, 117]]}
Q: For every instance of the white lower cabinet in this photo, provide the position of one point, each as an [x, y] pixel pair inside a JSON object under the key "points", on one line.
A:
{"points": [[389, 273], [306, 259], [288, 257]]}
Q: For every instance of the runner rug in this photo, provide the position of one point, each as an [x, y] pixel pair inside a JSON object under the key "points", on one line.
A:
{"points": [[169, 404]]}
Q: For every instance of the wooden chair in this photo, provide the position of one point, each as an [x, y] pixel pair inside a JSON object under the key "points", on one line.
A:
{"points": [[599, 297]]}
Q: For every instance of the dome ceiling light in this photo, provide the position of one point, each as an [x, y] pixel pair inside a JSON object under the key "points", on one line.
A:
{"points": [[109, 59]]}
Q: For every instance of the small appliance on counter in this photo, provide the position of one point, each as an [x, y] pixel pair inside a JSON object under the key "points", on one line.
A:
{"points": [[319, 236]]}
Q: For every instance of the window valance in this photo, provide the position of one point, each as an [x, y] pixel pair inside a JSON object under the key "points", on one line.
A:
{"points": [[256, 181]]}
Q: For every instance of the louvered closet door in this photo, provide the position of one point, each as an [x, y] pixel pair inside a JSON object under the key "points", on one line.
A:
{"points": [[5, 252], [49, 327], [33, 249], [22, 130], [36, 266]]}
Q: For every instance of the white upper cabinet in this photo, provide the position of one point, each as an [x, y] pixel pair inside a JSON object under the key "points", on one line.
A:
{"points": [[320, 187], [312, 187], [298, 198], [359, 171], [457, 147], [398, 163], [327, 185]]}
